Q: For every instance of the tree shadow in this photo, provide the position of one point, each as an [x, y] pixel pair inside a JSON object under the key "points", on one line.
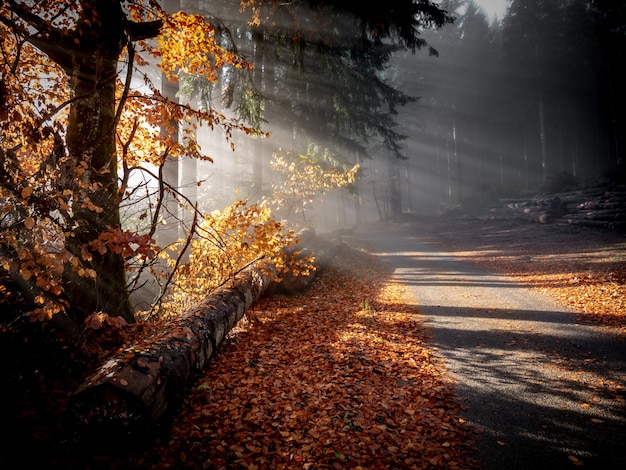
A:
{"points": [[542, 398], [546, 391]]}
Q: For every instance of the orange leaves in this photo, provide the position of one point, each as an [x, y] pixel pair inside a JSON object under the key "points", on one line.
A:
{"points": [[87, 204], [26, 192], [126, 243], [336, 377], [98, 320], [187, 43]]}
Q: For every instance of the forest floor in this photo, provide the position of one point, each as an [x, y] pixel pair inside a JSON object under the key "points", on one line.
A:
{"points": [[340, 376]]}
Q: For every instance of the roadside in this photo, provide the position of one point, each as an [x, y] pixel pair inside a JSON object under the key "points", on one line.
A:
{"points": [[341, 375], [583, 267], [546, 390]]}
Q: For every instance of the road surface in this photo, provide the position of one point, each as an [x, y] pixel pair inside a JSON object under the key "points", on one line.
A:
{"points": [[545, 392]]}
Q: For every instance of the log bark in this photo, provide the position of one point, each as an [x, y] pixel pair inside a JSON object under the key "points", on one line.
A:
{"points": [[145, 383], [136, 391]]}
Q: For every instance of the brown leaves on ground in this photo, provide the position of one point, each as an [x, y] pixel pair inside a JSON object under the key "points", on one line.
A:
{"points": [[339, 376]]}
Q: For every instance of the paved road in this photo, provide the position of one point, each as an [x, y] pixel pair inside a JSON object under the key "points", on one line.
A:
{"points": [[546, 392]]}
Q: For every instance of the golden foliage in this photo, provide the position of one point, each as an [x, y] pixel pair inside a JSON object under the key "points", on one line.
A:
{"points": [[184, 43], [228, 241], [43, 189], [306, 177]]}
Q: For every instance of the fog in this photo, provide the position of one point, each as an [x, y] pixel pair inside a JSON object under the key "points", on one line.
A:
{"points": [[519, 99]]}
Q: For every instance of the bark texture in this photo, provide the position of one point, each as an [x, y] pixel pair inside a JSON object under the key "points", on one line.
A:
{"points": [[143, 384], [139, 389]]}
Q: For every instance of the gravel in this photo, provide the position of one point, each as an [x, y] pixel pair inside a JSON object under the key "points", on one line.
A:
{"points": [[543, 390]]}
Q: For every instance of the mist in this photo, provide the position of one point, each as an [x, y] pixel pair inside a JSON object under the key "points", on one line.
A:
{"points": [[504, 106]]}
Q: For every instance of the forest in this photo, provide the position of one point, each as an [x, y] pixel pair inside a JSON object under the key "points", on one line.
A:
{"points": [[154, 152]]}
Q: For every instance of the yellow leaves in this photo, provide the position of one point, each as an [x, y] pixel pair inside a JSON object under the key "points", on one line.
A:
{"points": [[229, 240], [307, 176], [187, 43]]}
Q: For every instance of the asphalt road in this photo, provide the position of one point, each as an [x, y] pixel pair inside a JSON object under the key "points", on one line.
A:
{"points": [[545, 392]]}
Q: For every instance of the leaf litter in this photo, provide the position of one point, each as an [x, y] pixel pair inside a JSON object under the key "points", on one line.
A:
{"points": [[339, 376]]}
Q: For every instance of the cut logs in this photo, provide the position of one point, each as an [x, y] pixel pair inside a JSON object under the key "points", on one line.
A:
{"points": [[598, 207]]}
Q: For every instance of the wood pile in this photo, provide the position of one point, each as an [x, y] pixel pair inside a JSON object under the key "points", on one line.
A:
{"points": [[603, 206]]}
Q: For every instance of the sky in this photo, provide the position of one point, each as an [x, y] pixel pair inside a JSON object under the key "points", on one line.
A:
{"points": [[493, 7]]}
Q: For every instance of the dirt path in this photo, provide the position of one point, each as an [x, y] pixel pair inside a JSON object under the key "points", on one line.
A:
{"points": [[546, 391]]}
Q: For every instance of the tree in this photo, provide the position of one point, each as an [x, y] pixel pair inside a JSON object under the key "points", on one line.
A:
{"points": [[323, 66], [518, 105], [306, 177], [564, 69], [75, 135]]}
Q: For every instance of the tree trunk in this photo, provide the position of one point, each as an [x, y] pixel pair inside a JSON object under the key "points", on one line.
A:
{"points": [[257, 145], [395, 197], [91, 147], [168, 233]]}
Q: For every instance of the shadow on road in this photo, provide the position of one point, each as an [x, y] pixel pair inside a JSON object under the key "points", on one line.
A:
{"points": [[546, 391]]}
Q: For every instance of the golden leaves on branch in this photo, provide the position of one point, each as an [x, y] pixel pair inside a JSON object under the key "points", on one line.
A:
{"points": [[308, 176], [229, 240], [184, 44], [48, 194]]}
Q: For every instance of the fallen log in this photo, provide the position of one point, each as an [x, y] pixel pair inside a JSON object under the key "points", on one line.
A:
{"points": [[134, 392]]}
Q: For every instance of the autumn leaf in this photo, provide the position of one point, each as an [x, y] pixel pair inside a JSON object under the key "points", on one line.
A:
{"points": [[26, 192], [95, 321]]}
